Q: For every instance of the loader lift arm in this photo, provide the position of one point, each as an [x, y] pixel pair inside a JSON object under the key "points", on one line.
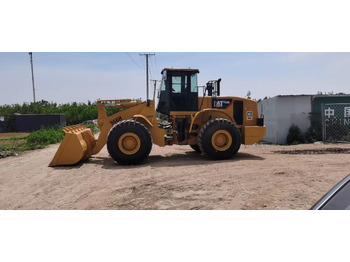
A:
{"points": [[79, 142]]}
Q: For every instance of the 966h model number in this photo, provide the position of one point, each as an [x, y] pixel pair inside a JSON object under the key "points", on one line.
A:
{"points": [[116, 120]]}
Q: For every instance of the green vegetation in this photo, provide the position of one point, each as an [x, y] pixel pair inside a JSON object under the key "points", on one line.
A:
{"points": [[311, 135], [93, 128], [12, 144], [75, 112], [35, 140], [295, 136], [44, 137]]}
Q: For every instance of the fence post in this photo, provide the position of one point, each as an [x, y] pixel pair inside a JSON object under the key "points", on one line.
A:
{"points": [[323, 124]]}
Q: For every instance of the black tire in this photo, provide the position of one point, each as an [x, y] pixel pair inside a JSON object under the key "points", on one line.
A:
{"points": [[230, 136], [140, 147], [195, 148]]}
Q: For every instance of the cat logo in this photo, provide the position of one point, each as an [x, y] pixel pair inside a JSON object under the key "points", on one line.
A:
{"points": [[218, 103], [222, 103]]}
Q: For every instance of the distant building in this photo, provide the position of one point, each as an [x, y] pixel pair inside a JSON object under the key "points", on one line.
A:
{"points": [[281, 112], [30, 122], [2, 124]]}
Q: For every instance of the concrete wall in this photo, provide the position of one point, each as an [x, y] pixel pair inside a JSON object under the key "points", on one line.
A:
{"points": [[281, 112], [292, 110], [267, 108]]}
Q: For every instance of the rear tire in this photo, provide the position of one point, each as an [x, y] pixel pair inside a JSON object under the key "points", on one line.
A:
{"points": [[219, 139], [195, 148], [129, 142]]}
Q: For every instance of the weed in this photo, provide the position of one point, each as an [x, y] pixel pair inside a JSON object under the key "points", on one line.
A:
{"points": [[295, 136], [44, 137]]}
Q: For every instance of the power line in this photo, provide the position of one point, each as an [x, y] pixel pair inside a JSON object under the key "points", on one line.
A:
{"points": [[133, 61], [150, 70], [155, 59], [153, 66], [142, 63]]}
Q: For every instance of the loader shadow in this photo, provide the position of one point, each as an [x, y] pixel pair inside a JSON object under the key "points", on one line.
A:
{"points": [[190, 158], [75, 166]]}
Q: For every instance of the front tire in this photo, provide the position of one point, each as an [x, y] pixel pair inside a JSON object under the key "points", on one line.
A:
{"points": [[219, 139], [129, 142], [195, 148]]}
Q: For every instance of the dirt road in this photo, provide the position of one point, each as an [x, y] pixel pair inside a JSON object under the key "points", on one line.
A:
{"points": [[176, 177]]}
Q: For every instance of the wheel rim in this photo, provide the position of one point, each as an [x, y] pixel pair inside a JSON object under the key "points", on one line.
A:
{"points": [[129, 143], [221, 140]]}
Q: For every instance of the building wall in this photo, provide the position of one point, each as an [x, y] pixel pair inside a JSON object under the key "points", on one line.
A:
{"points": [[281, 112], [267, 108], [28, 123], [292, 110]]}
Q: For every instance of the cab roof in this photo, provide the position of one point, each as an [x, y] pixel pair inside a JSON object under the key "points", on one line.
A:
{"points": [[181, 70]]}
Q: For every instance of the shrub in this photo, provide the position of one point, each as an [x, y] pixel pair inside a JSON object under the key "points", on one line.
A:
{"points": [[75, 112], [93, 128], [311, 135], [295, 136], [346, 137], [44, 137]]}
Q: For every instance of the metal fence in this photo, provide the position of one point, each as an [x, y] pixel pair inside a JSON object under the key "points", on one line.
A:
{"points": [[336, 122], [302, 120]]}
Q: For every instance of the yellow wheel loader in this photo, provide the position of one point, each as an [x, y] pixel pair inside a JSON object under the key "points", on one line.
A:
{"points": [[213, 125]]}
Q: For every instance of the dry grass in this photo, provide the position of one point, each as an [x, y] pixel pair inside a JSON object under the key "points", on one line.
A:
{"points": [[11, 143], [12, 135]]}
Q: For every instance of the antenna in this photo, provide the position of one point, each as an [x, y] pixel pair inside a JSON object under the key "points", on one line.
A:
{"points": [[31, 62]]}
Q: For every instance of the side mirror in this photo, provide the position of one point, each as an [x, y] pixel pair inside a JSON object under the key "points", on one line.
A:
{"points": [[338, 198]]}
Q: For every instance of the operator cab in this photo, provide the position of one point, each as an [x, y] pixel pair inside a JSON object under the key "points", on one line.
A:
{"points": [[179, 91]]}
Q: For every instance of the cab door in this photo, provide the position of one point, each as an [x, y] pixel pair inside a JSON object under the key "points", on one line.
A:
{"points": [[184, 92]]}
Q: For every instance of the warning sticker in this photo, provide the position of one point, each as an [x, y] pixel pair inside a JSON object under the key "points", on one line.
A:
{"points": [[249, 115]]}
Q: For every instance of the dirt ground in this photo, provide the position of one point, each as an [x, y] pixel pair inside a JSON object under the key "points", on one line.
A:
{"points": [[258, 177]]}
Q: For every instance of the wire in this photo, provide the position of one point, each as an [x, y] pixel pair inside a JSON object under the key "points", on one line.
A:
{"points": [[150, 71], [153, 65], [142, 63], [155, 59], [133, 61]]}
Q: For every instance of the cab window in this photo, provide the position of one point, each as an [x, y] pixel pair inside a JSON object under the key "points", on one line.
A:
{"points": [[176, 84], [194, 86]]}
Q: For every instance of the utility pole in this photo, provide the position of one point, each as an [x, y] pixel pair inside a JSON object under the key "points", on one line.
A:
{"points": [[31, 62], [147, 81], [155, 88]]}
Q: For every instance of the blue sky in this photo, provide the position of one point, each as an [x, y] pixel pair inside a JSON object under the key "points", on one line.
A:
{"points": [[72, 76]]}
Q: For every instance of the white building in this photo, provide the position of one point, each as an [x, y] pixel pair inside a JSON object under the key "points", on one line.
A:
{"points": [[280, 112]]}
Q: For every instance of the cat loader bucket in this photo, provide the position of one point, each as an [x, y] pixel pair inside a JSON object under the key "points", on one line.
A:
{"points": [[76, 146]]}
